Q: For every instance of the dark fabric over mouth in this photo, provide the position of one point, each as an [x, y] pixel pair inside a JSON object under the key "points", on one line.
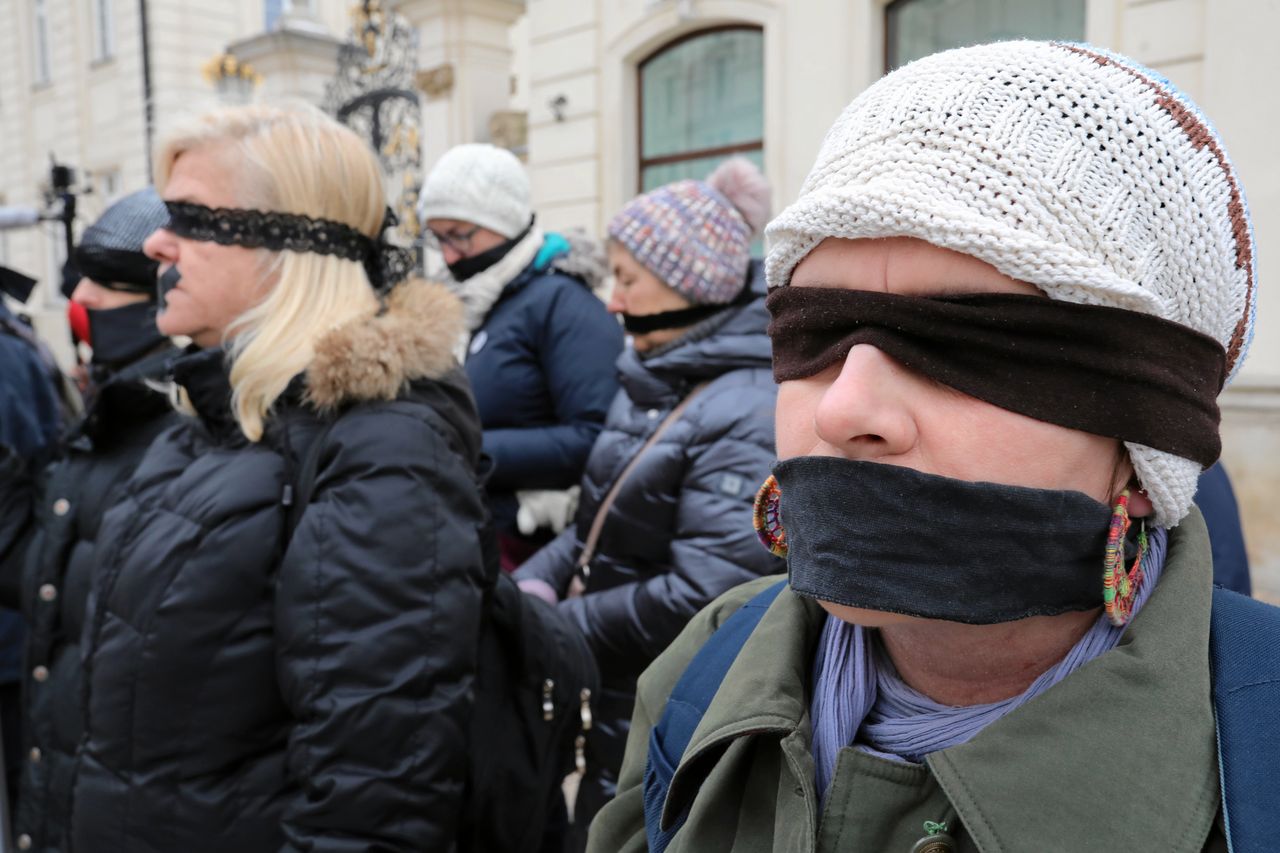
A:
{"points": [[888, 538]]}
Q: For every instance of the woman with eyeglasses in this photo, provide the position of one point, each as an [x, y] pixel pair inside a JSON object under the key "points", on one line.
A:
{"points": [[539, 347], [280, 643]]}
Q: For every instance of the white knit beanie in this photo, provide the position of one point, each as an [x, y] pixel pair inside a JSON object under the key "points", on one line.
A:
{"points": [[478, 183], [1062, 165]]}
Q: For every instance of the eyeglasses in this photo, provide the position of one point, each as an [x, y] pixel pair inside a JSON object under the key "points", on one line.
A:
{"points": [[459, 241]]}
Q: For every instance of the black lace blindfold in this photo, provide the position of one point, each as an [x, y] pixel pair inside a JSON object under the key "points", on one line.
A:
{"points": [[385, 264], [1105, 371]]}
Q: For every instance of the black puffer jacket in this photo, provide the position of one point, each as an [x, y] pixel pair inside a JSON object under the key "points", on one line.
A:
{"points": [[48, 571], [244, 694], [679, 532]]}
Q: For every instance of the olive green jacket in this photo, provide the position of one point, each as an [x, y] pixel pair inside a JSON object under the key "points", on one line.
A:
{"points": [[1119, 756]]}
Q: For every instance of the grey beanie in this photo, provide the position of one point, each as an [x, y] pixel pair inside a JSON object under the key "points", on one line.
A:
{"points": [[110, 250]]}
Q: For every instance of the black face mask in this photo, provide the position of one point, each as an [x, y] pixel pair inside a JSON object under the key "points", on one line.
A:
{"points": [[464, 268], [681, 318], [883, 537], [118, 336]]}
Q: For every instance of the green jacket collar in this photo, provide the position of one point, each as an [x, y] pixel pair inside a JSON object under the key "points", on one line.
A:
{"points": [[1118, 756]]}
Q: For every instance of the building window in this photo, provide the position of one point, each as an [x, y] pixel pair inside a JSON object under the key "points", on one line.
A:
{"points": [[916, 28], [40, 36], [108, 185], [701, 100], [104, 33], [274, 9]]}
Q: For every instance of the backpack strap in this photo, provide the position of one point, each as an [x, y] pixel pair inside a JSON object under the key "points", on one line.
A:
{"points": [[688, 702], [298, 493], [1244, 658]]}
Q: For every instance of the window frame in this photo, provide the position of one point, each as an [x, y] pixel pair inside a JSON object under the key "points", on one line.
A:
{"points": [[104, 30], [886, 30], [696, 153], [42, 70]]}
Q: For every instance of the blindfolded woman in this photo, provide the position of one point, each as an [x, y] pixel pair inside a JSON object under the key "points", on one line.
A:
{"points": [[1003, 307], [281, 658]]}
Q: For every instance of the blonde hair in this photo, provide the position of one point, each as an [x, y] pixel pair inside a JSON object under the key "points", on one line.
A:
{"points": [[291, 160]]}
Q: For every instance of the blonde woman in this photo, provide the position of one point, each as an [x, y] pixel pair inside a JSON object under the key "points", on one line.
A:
{"points": [[261, 678]]}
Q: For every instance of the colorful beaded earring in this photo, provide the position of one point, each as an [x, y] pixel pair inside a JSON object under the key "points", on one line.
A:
{"points": [[1119, 588], [766, 517]]}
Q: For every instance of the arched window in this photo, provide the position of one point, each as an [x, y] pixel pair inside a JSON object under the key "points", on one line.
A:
{"points": [[701, 100], [916, 28]]}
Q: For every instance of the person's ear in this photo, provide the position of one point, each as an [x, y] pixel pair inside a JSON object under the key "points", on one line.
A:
{"points": [[1139, 504]]}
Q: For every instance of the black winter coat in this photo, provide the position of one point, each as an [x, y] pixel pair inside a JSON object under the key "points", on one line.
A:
{"points": [[30, 420], [247, 694], [47, 570], [679, 532], [542, 368]]}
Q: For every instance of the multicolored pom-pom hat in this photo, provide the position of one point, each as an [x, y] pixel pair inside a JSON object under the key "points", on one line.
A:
{"points": [[1060, 164]]}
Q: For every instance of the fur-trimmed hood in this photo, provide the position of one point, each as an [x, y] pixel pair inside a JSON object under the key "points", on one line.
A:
{"points": [[375, 358]]}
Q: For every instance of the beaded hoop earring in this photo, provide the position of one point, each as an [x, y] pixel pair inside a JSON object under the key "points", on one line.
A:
{"points": [[766, 517], [1119, 588]]}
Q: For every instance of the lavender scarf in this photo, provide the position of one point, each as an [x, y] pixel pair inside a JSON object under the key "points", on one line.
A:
{"points": [[859, 699]]}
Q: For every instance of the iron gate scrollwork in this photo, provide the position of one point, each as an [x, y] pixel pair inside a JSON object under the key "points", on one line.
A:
{"points": [[374, 95]]}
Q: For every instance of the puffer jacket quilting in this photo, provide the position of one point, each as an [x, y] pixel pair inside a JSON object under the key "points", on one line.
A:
{"points": [[248, 694], [679, 532], [49, 569]]}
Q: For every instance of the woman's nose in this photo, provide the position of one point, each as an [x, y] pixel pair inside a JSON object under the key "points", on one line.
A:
{"points": [[616, 305], [161, 246], [866, 412]]}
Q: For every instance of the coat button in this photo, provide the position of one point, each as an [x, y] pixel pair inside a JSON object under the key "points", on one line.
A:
{"points": [[24, 842], [35, 755], [40, 673], [653, 416], [61, 506], [939, 843], [48, 592]]}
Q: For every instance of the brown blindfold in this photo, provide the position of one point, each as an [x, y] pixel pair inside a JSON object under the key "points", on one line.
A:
{"points": [[1105, 371]]}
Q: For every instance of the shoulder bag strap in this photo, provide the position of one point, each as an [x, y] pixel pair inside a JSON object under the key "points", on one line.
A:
{"points": [[597, 524], [688, 702]]}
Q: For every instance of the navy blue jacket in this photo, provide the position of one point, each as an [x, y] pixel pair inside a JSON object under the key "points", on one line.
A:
{"points": [[29, 423], [1217, 501], [542, 370]]}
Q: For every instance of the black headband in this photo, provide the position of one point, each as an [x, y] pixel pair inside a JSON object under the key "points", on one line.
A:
{"points": [[385, 264], [1102, 370]]}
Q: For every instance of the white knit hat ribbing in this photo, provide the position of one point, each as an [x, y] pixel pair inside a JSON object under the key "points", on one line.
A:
{"points": [[1062, 165], [478, 183]]}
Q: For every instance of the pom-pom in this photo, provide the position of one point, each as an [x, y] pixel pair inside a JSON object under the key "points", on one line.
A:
{"points": [[738, 180]]}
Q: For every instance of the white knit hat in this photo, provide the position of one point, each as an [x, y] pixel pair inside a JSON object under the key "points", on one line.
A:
{"points": [[478, 183], [1062, 165]]}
